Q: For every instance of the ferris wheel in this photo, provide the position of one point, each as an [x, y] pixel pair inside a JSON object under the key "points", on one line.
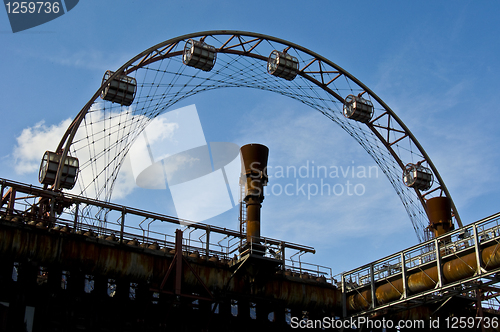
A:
{"points": [[94, 146]]}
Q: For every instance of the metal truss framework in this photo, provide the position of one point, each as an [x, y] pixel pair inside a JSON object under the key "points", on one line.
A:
{"points": [[476, 277], [123, 224], [76, 296], [164, 80]]}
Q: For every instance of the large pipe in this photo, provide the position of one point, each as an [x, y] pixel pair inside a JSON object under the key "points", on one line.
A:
{"points": [[440, 222], [439, 213], [453, 270], [254, 166]]}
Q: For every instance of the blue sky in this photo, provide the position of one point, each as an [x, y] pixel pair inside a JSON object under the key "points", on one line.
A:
{"points": [[434, 63]]}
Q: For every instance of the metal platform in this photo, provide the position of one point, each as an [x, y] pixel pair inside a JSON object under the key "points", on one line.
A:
{"points": [[460, 268], [125, 224], [460, 264], [122, 270]]}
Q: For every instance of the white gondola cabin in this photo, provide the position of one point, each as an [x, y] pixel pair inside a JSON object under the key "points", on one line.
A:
{"points": [[48, 170], [357, 108], [199, 55], [417, 176], [120, 90], [283, 65]]}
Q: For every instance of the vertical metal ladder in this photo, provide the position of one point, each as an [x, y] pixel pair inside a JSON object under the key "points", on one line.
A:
{"points": [[243, 211]]}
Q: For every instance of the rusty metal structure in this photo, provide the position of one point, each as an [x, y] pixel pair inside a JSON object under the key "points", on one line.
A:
{"points": [[81, 263], [78, 273], [254, 178], [100, 270], [449, 264], [171, 71]]}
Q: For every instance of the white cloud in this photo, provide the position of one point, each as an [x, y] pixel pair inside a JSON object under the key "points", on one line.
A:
{"points": [[161, 130], [88, 59], [33, 142], [124, 184], [95, 175]]}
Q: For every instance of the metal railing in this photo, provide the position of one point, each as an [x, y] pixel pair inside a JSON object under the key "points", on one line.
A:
{"points": [[112, 222], [470, 239]]}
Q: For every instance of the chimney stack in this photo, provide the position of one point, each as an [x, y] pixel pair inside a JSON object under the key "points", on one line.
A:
{"points": [[254, 173]]}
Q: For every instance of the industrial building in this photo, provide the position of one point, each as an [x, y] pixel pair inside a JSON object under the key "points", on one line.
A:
{"points": [[77, 263]]}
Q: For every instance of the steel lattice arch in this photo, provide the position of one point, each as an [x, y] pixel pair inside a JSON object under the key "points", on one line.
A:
{"points": [[104, 130]]}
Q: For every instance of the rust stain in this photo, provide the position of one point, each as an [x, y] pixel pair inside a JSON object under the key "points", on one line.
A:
{"points": [[453, 270], [113, 260]]}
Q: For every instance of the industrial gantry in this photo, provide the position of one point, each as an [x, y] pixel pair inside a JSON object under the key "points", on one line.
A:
{"points": [[79, 262]]}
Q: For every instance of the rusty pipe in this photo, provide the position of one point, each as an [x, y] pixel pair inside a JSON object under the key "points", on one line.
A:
{"points": [[439, 213], [453, 270], [253, 219], [254, 164]]}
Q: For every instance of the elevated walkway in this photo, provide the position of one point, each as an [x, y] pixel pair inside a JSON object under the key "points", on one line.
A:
{"points": [[462, 264]]}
